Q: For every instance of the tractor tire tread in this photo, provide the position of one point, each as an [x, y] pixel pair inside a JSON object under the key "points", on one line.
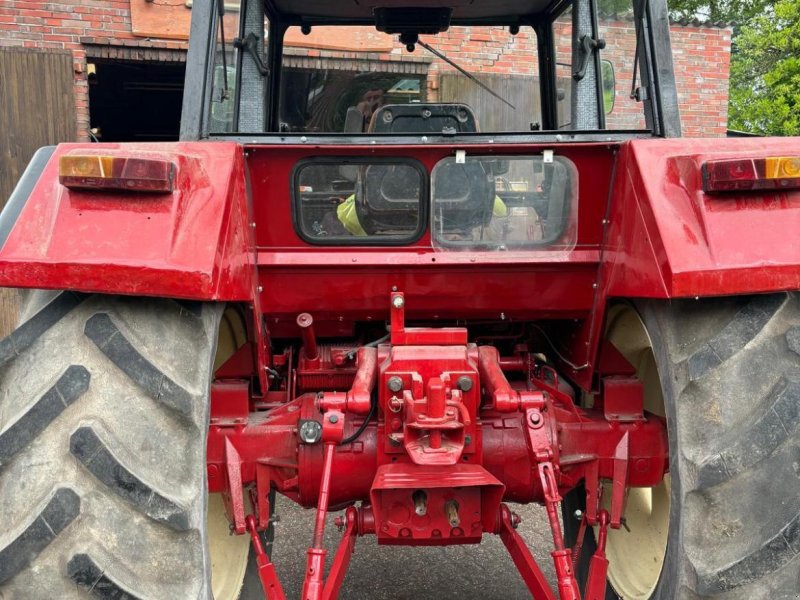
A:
{"points": [[768, 432], [69, 387], [85, 572], [739, 332], [105, 334], [26, 334], [99, 460], [736, 416], [59, 512], [102, 449]]}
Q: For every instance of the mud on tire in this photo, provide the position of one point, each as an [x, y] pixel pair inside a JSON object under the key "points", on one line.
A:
{"points": [[103, 424], [730, 375]]}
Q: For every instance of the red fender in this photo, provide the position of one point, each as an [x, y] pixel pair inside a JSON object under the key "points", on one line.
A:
{"points": [[193, 243], [667, 238]]}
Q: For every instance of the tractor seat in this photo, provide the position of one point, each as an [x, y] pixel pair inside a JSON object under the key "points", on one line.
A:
{"points": [[447, 119]]}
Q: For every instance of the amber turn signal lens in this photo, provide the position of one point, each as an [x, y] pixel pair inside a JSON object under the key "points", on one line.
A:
{"points": [[97, 172], [782, 167]]}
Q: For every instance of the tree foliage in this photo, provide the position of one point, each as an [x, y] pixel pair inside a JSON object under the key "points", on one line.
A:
{"points": [[765, 72], [765, 60], [727, 11]]}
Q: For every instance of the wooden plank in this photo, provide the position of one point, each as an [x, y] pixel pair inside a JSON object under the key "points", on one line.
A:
{"points": [[37, 108], [494, 115]]}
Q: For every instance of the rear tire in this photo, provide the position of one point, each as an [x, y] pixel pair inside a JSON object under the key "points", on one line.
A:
{"points": [[730, 375], [103, 424]]}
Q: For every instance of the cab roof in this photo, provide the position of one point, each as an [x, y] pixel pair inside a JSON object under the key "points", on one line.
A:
{"points": [[364, 10]]}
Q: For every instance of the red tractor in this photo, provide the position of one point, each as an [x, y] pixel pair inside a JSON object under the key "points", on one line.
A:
{"points": [[418, 264]]}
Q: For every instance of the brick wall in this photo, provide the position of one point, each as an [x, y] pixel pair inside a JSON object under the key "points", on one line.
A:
{"points": [[702, 61], [102, 28], [80, 26]]}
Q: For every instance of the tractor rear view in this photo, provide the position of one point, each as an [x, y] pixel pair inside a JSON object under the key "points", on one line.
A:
{"points": [[417, 264]]}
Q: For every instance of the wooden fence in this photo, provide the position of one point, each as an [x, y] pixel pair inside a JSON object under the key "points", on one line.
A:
{"points": [[37, 108]]}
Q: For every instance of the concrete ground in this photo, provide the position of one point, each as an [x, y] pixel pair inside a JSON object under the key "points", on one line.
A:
{"points": [[483, 571]]}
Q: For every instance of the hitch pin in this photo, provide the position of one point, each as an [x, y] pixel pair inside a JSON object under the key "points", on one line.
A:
{"points": [[420, 499], [451, 511]]}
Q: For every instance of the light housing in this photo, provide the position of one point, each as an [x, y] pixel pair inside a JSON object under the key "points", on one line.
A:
{"points": [[103, 172], [752, 174]]}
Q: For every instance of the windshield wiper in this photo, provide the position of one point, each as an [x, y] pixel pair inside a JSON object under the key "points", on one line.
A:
{"points": [[221, 10], [467, 74]]}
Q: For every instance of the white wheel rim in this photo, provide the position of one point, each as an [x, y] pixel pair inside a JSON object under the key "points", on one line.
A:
{"points": [[636, 557], [228, 553]]}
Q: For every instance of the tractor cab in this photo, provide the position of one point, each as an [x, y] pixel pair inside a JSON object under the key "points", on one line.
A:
{"points": [[312, 68]]}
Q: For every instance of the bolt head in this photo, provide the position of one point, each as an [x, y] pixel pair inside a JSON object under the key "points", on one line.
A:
{"points": [[310, 432], [333, 419], [464, 383], [395, 384], [398, 302]]}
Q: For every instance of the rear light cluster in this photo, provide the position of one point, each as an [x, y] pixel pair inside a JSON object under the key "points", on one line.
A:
{"points": [[116, 173], [743, 174]]}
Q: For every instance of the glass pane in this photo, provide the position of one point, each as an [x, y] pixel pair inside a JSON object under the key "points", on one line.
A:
{"points": [[562, 38], [617, 28], [504, 203], [359, 201], [223, 82], [337, 77]]}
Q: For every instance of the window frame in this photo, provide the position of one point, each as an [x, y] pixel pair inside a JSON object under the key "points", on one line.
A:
{"points": [[369, 240]]}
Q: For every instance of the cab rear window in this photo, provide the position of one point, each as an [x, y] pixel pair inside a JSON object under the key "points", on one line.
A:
{"points": [[504, 203], [360, 201]]}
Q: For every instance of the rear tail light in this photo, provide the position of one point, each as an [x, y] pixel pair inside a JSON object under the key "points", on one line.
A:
{"points": [[743, 174], [116, 173]]}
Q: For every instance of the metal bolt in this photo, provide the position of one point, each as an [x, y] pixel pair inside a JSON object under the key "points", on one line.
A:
{"points": [[395, 384], [303, 139], [310, 432], [394, 288], [333, 419], [536, 418], [260, 288], [467, 440], [464, 383], [398, 302], [578, 514]]}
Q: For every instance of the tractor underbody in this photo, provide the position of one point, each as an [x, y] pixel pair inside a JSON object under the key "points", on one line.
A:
{"points": [[431, 435]]}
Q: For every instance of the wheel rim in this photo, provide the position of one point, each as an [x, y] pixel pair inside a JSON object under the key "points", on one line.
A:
{"points": [[228, 553], [636, 557]]}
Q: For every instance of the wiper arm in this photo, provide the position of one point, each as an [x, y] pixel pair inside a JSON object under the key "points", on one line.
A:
{"points": [[221, 9], [467, 74]]}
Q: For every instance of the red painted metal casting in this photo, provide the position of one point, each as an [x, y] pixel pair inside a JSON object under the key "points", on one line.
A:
{"points": [[449, 439]]}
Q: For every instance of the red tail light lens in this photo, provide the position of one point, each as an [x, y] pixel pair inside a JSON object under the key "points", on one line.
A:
{"points": [[744, 174], [133, 174]]}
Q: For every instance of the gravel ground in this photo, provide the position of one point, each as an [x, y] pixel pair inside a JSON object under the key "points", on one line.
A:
{"points": [[483, 571]]}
